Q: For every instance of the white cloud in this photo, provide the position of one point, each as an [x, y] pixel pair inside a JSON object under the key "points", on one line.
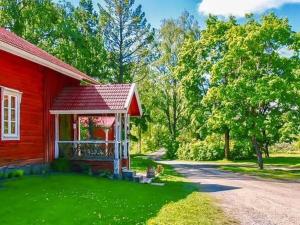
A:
{"points": [[239, 8]]}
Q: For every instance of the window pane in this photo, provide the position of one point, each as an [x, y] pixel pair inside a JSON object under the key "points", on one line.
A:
{"points": [[6, 114], [5, 101], [13, 115], [13, 102], [5, 127], [13, 128]]}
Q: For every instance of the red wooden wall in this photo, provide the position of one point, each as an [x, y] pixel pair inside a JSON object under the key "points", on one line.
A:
{"points": [[40, 86]]}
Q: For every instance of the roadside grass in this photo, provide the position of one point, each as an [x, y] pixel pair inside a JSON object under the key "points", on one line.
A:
{"points": [[283, 166], [196, 209], [71, 199]]}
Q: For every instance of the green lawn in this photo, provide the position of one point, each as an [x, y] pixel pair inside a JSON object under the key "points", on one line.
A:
{"points": [[278, 166], [79, 199]]}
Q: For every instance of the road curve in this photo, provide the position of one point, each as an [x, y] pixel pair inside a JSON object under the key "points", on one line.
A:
{"points": [[250, 200]]}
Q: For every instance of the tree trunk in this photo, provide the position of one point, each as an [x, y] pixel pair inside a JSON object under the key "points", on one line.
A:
{"points": [[258, 153], [266, 149], [265, 144], [227, 143]]}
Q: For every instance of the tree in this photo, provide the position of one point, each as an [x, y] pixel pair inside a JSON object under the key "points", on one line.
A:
{"points": [[260, 76], [71, 34], [127, 36], [202, 81], [169, 42], [251, 83]]}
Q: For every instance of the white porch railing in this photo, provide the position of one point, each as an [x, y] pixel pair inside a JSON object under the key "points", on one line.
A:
{"points": [[87, 150]]}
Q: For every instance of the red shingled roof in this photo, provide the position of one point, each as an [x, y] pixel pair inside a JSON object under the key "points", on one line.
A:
{"points": [[15, 41], [111, 97]]}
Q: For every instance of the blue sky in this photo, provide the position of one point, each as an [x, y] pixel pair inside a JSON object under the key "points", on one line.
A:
{"points": [[157, 10]]}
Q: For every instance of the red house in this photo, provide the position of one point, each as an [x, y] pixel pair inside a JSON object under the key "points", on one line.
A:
{"points": [[47, 112]]}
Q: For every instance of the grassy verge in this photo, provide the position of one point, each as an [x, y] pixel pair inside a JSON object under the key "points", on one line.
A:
{"points": [[195, 209], [278, 166], [78, 199]]}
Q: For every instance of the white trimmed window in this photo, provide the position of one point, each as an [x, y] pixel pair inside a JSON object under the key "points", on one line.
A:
{"points": [[10, 114]]}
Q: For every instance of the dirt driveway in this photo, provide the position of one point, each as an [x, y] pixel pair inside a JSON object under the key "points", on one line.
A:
{"points": [[248, 199]]}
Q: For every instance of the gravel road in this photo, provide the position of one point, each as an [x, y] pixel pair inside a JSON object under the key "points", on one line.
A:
{"points": [[250, 200]]}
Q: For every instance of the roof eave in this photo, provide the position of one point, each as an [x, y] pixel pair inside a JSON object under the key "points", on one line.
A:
{"points": [[133, 91], [86, 112], [28, 56]]}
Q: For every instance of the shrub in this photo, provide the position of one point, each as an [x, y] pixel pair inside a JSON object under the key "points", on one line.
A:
{"points": [[82, 167], [15, 173], [209, 149], [18, 173], [286, 147], [241, 150], [61, 165]]}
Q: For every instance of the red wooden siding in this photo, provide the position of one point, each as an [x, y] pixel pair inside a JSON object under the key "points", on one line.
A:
{"points": [[39, 86]]}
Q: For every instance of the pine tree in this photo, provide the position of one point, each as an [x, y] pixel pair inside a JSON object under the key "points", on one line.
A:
{"points": [[127, 35]]}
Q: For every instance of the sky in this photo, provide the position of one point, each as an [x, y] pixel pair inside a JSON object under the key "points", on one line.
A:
{"points": [[157, 10]]}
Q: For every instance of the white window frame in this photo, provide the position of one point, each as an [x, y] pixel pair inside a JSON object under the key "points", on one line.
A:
{"points": [[18, 95]]}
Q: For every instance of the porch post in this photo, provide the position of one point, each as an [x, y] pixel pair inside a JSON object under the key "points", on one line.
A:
{"points": [[106, 130], [117, 141], [56, 148], [75, 127], [79, 134], [125, 150], [128, 141]]}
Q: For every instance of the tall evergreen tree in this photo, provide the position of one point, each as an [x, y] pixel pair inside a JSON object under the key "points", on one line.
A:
{"points": [[127, 36]]}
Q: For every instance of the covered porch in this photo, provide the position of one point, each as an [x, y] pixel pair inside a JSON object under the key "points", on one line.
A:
{"points": [[92, 125]]}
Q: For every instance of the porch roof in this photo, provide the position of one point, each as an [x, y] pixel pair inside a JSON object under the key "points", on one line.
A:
{"points": [[98, 99]]}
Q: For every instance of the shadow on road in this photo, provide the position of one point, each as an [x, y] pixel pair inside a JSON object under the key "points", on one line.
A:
{"points": [[209, 188]]}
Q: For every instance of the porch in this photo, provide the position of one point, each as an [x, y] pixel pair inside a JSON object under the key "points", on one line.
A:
{"points": [[92, 124]]}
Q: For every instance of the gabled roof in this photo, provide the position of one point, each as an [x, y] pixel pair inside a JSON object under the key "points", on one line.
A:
{"points": [[10, 42], [98, 99]]}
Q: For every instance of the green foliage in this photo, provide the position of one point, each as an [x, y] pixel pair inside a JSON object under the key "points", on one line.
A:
{"points": [[127, 36], [70, 33], [165, 105], [15, 173], [250, 87], [241, 150], [209, 149], [286, 147], [61, 165]]}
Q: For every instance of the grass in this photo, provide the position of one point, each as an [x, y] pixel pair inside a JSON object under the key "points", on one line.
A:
{"points": [[79, 199], [283, 166]]}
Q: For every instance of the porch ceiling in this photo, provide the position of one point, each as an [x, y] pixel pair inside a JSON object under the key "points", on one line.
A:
{"points": [[99, 121]]}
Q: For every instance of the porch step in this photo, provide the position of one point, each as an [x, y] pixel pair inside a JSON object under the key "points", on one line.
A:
{"points": [[128, 174]]}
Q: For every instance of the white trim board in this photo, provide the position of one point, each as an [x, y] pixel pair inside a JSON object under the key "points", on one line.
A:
{"points": [[133, 91], [86, 112]]}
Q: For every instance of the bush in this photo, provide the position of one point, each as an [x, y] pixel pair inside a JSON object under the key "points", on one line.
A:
{"points": [[286, 147], [82, 167], [15, 173], [61, 165], [209, 149], [241, 150]]}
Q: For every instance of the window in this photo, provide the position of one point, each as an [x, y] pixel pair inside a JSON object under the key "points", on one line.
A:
{"points": [[11, 100]]}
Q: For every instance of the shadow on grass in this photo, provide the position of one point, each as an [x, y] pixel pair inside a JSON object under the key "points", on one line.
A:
{"points": [[81, 199]]}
